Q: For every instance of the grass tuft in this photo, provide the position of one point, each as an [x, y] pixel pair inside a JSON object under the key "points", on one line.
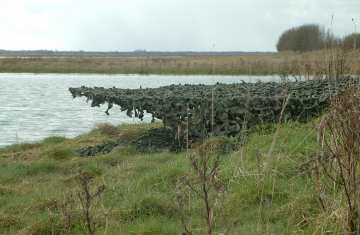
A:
{"points": [[41, 168], [60, 153], [4, 190], [106, 129], [19, 148], [54, 140], [9, 222]]}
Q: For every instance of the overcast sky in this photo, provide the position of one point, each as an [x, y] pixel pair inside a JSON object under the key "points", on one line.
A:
{"points": [[164, 25]]}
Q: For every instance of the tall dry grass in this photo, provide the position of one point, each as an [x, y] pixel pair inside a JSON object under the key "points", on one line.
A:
{"points": [[333, 172], [297, 65]]}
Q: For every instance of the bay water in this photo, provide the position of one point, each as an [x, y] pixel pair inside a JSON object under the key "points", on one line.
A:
{"points": [[36, 106]]}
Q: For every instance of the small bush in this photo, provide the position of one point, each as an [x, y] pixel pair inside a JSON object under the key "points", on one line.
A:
{"points": [[63, 214]]}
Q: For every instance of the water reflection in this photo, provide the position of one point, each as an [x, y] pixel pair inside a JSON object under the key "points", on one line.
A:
{"points": [[35, 106]]}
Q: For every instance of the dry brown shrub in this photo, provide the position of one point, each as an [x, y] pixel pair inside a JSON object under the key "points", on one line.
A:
{"points": [[117, 133], [130, 134], [81, 141], [337, 162], [106, 129], [27, 155]]}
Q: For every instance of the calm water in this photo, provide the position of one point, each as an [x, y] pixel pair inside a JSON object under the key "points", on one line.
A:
{"points": [[36, 106]]}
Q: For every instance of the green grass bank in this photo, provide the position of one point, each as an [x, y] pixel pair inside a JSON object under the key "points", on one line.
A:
{"points": [[263, 190]]}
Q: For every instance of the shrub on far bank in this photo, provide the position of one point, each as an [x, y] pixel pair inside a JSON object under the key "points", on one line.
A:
{"points": [[311, 37]]}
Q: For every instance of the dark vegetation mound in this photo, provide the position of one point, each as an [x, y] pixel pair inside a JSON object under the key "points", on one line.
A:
{"points": [[155, 140]]}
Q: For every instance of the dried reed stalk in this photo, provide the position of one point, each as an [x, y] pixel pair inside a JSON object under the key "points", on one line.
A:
{"points": [[338, 157]]}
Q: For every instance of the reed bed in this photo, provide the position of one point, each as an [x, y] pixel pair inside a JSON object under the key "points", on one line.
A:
{"points": [[298, 65]]}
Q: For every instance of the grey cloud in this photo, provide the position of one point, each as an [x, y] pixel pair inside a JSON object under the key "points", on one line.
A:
{"points": [[165, 25]]}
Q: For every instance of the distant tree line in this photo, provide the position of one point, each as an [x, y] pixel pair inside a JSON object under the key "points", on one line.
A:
{"points": [[350, 39], [311, 37], [124, 53]]}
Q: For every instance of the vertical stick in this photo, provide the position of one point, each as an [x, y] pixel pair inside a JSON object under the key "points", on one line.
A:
{"points": [[332, 49], [354, 64], [187, 129], [325, 52], [212, 103]]}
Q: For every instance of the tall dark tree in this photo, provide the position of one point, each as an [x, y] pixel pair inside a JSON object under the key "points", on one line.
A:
{"points": [[350, 39], [286, 40], [308, 37]]}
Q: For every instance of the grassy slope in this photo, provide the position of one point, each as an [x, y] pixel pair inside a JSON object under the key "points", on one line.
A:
{"points": [[33, 176]]}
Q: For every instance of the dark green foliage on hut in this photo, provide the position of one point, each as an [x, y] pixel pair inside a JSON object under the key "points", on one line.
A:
{"points": [[233, 104]]}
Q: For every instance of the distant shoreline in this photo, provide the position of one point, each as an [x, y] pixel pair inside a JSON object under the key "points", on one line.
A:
{"points": [[133, 71], [127, 53], [297, 65]]}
